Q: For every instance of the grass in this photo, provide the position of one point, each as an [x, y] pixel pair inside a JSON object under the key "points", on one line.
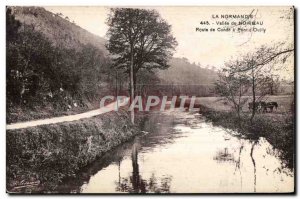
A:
{"points": [[21, 114], [216, 103]]}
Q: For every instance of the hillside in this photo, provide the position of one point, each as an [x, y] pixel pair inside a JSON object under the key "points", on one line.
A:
{"points": [[51, 65], [56, 28], [183, 72], [60, 31]]}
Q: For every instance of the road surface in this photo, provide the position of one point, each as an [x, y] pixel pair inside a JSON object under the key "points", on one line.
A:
{"points": [[68, 118]]}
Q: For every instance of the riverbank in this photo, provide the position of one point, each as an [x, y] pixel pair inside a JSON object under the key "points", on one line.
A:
{"points": [[278, 129], [183, 140], [42, 156]]}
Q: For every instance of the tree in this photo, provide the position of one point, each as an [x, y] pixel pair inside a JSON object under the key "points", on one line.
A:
{"points": [[261, 62], [139, 39], [233, 85], [12, 26], [272, 84], [254, 67]]}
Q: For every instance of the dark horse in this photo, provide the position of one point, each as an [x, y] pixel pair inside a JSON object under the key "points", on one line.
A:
{"points": [[258, 105], [271, 105], [263, 106]]}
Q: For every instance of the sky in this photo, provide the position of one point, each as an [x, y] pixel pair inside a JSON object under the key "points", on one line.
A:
{"points": [[206, 48]]}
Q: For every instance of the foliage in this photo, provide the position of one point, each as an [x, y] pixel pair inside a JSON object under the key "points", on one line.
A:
{"points": [[142, 34], [272, 84], [12, 26], [41, 74], [59, 31]]}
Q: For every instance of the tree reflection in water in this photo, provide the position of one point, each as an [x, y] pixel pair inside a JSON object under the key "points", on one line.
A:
{"points": [[254, 164], [136, 184], [224, 156], [238, 165]]}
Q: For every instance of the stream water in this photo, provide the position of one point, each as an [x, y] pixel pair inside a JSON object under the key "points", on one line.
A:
{"points": [[179, 152]]}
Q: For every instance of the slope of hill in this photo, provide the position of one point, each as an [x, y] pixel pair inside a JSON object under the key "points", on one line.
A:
{"points": [[182, 72], [57, 29], [62, 32], [51, 64]]}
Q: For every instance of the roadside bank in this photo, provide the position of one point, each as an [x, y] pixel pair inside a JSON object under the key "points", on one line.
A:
{"points": [[48, 153]]}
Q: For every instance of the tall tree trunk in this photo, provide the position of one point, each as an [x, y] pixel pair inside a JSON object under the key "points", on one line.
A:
{"points": [[239, 104], [131, 84], [271, 90], [117, 93], [253, 96], [134, 82]]}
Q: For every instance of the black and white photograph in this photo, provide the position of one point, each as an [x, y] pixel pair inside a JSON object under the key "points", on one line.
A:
{"points": [[150, 99]]}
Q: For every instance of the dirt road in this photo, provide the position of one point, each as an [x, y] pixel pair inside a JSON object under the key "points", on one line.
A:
{"points": [[67, 118]]}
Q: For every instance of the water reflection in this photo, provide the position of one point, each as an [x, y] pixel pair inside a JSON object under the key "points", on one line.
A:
{"points": [[136, 184], [238, 165], [224, 156], [254, 164], [179, 152]]}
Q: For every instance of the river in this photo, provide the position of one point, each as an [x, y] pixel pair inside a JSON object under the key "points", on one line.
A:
{"points": [[179, 152]]}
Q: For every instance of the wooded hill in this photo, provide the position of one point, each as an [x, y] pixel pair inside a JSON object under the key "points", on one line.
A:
{"points": [[57, 28], [51, 64], [184, 72]]}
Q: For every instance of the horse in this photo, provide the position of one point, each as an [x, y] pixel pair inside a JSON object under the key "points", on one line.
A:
{"points": [[271, 105], [264, 106], [259, 106]]}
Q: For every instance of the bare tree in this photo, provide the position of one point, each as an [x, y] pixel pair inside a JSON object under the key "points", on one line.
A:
{"points": [[259, 63], [248, 74], [272, 84], [233, 85]]}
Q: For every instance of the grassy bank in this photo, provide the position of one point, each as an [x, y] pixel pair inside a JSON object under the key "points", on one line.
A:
{"points": [[15, 115], [278, 131], [42, 156]]}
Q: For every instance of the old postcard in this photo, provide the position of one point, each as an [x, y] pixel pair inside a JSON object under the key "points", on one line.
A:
{"points": [[173, 100]]}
